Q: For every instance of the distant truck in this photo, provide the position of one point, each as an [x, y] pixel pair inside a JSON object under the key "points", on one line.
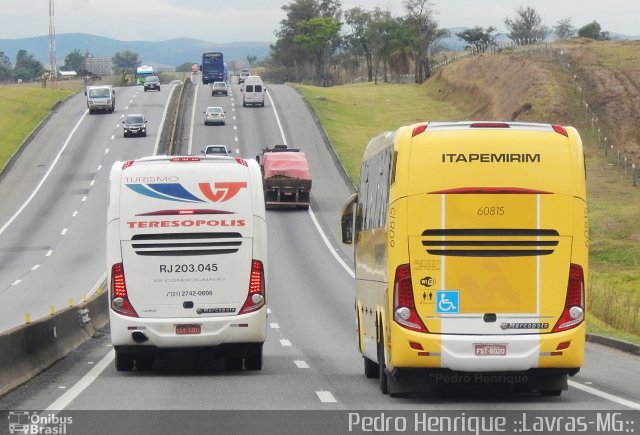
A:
{"points": [[100, 98], [285, 176]]}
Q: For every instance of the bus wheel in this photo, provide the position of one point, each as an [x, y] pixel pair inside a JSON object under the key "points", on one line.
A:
{"points": [[253, 360], [124, 362], [382, 367], [371, 369]]}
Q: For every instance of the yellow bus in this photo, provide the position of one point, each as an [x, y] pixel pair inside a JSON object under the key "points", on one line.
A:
{"points": [[471, 256]]}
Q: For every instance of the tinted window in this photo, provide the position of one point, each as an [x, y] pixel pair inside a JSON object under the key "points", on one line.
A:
{"points": [[258, 88], [249, 88]]}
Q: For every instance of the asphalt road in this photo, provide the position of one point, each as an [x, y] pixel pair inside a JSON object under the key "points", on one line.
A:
{"points": [[310, 356]]}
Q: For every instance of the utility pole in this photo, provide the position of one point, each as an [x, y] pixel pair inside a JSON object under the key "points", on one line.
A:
{"points": [[52, 45]]}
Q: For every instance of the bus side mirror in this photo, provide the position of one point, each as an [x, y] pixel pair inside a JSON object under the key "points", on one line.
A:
{"points": [[347, 221]]}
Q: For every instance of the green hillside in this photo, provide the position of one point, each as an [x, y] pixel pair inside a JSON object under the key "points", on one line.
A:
{"points": [[594, 87]]}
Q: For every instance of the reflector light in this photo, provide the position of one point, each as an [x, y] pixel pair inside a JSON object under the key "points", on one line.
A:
{"points": [[185, 159], [419, 129], [415, 346], [126, 164], [256, 295], [564, 345], [243, 162], [491, 190], [560, 129], [573, 312], [119, 297], [403, 301]]}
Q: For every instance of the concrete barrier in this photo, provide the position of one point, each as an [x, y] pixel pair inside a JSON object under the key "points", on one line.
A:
{"points": [[29, 349]]}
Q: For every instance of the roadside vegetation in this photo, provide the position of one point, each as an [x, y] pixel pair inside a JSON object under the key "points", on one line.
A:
{"points": [[527, 87], [23, 108]]}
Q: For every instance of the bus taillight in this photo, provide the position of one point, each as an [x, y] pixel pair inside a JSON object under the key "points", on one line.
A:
{"points": [[256, 297], [404, 307], [119, 297], [573, 312]]}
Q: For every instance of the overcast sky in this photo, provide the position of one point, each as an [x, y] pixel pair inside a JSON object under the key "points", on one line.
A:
{"points": [[256, 20]]}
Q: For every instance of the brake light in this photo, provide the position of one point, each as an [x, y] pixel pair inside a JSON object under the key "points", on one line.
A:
{"points": [[490, 125], [119, 297], [419, 129], [256, 296], [126, 164], [404, 307], [185, 159], [573, 312], [559, 129], [491, 190]]}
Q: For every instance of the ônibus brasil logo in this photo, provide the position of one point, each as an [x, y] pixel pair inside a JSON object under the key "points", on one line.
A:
{"points": [[220, 192]]}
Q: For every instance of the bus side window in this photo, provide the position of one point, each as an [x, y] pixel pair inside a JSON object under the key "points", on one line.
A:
{"points": [[347, 221]]}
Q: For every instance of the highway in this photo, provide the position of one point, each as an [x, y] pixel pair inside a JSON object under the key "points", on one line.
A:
{"points": [[310, 356]]}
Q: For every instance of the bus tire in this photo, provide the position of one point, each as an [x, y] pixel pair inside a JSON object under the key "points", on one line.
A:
{"points": [[382, 367], [253, 360], [371, 369], [124, 362]]}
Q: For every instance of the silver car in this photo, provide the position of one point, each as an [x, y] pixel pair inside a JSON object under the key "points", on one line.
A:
{"points": [[214, 115]]}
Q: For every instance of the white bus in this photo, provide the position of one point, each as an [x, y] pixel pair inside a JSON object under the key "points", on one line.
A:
{"points": [[187, 259]]}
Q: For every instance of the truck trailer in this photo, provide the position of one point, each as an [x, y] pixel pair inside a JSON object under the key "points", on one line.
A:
{"points": [[285, 176]]}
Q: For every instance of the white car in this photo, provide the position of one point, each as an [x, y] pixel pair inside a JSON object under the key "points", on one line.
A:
{"points": [[215, 150], [214, 115]]}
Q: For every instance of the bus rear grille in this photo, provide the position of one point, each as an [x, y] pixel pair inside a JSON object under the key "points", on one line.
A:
{"points": [[490, 242], [182, 244]]}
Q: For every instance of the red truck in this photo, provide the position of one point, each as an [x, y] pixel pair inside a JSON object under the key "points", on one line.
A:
{"points": [[285, 175]]}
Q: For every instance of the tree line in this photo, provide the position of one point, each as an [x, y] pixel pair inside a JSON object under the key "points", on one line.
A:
{"points": [[317, 37]]}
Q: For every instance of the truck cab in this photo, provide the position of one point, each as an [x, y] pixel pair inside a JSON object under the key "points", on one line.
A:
{"points": [[100, 98]]}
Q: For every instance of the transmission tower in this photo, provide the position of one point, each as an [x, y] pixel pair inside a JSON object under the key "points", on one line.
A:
{"points": [[52, 43]]}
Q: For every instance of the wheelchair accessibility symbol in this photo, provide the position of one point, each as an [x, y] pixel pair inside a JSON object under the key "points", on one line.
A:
{"points": [[447, 302]]}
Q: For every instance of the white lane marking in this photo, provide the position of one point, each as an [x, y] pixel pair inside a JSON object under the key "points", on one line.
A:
{"points": [[285, 343], [48, 254], [99, 167], [64, 231], [106, 151], [274, 326], [301, 364], [35, 267], [84, 198], [313, 218], [113, 136], [235, 127], [75, 213], [326, 397], [73, 392], [46, 175], [268, 310], [193, 117], [607, 396], [164, 117], [92, 182], [16, 282], [236, 139]]}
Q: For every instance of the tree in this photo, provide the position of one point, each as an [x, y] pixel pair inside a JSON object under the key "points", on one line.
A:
{"points": [[360, 22], [593, 31], [285, 51], [563, 29], [315, 36], [251, 60], [4, 60], [74, 61], [479, 38], [526, 27], [26, 67], [124, 62], [425, 33]]}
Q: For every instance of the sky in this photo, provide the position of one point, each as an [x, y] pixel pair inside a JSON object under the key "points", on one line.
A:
{"points": [[257, 20]]}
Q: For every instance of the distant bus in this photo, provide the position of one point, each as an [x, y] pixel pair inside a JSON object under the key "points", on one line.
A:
{"points": [[143, 72], [213, 67], [471, 256]]}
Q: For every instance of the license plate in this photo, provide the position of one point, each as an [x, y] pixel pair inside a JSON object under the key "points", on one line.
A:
{"points": [[188, 329], [490, 349]]}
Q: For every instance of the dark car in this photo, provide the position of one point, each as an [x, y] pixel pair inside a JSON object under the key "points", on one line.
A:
{"points": [[151, 82], [135, 125]]}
